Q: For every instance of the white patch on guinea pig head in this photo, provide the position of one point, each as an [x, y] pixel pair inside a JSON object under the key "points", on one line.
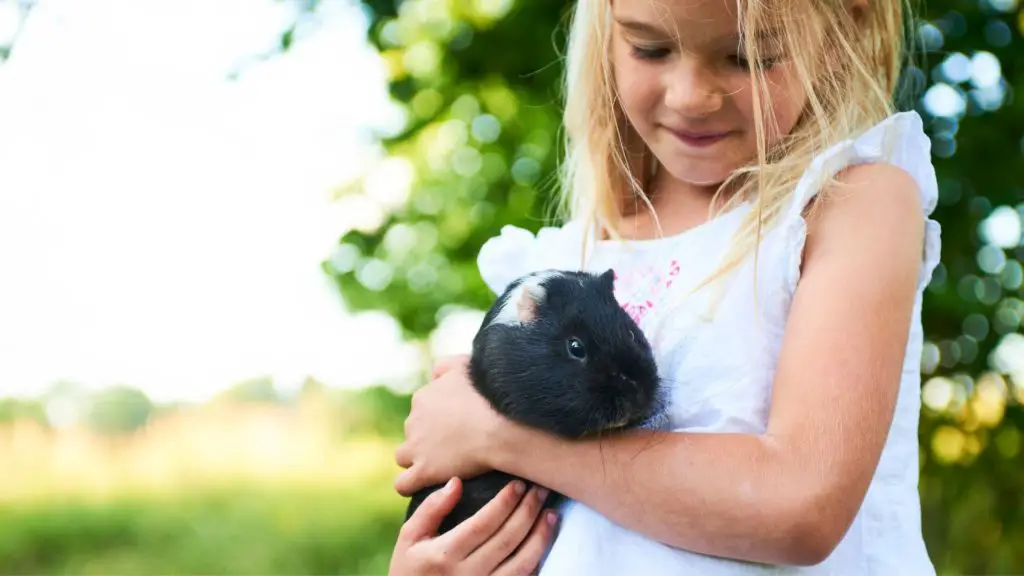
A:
{"points": [[521, 305]]}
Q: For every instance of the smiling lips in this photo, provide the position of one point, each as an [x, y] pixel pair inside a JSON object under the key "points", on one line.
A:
{"points": [[697, 139]]}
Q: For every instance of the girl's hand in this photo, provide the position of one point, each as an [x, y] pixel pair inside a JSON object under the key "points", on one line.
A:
{"points": [[449, 431], [483, 544]]}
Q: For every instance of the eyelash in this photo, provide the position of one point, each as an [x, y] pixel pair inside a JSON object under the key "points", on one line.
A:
{"points": [[651, 54], [743, 63]]}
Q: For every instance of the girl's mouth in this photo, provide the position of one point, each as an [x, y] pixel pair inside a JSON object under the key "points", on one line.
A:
{"points": [[698, 139]]}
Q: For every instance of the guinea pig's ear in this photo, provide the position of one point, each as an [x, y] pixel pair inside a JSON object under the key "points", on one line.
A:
{"points": [[608, 279], [530, 298]]}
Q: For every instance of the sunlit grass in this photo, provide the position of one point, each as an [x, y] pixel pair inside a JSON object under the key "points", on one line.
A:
{"points": [[197, 448], [231, 530], [225, 489]]}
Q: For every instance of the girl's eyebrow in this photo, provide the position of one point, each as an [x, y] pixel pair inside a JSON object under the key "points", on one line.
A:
{"points": [[654, 30], [645, 27]]}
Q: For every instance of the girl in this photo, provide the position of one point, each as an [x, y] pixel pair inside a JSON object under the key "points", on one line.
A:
{"points": [[787, 324]]}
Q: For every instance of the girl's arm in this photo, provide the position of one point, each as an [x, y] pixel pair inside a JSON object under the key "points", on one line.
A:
{"points": [[785, 497]]}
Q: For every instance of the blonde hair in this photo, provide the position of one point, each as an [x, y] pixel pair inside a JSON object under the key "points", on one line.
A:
{"points": [[849, 71]]}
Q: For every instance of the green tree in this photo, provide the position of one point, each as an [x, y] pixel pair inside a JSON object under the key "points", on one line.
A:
{"points": [[119, 410], [479, 83], [13, 409], [478, 151], [260, 389]]}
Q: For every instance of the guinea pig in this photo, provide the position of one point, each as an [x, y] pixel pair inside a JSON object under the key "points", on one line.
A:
{"points": [[558, 353]]}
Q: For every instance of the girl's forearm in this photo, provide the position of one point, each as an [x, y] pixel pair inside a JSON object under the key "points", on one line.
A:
{"points": [[729, 495]]}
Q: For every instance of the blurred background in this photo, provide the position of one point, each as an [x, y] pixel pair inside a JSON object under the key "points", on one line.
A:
{"points": [[233, 234]]}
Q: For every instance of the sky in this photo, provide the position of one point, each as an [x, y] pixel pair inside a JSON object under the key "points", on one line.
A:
{"points": [[162, 226]]}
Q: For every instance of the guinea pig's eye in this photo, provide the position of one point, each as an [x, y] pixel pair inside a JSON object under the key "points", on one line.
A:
{"points": [[576, 348]]}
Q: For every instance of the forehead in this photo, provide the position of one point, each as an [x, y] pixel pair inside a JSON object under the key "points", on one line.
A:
{"points": [[666, 14], [694, 22]]}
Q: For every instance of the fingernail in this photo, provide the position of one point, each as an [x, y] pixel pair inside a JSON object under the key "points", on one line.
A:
{"points": [[552, 518], [519, 487], [542, 493], [450, 485]]}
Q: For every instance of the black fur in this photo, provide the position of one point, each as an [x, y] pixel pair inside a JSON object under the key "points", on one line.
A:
{"points": [[527, 372]]}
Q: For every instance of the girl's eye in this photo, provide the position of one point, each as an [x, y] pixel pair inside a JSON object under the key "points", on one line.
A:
{"points": [[576, 348], [649, 53], [743, 63]]}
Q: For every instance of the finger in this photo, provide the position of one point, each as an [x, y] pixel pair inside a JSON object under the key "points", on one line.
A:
{"points": [[439, 368], [403, 455], [425, 521], [513, 531], [480, 527], [408, 482], [445, 364], [527, 558]]}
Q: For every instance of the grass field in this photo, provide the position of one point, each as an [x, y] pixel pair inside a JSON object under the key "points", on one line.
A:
{"points": [[233, 530], [232, 489]]}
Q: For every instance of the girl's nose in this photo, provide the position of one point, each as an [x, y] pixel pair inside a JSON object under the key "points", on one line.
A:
{"points": [[691, 89]]}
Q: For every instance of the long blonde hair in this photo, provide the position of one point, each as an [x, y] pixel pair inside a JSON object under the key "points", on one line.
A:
{"points": [[849, 70]]}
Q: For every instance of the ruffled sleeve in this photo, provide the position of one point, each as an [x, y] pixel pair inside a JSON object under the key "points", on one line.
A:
{"points": [[515, 252], [899, 140]]}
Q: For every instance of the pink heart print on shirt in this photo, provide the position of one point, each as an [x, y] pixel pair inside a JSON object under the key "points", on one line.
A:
{"points": [[640, 288]]}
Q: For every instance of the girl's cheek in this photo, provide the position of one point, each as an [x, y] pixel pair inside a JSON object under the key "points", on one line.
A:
{"points": [[632, 91], [786, 89], [741, 100], [790, 103]]}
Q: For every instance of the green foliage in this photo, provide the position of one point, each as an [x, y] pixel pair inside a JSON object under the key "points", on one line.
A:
{"points": [[228, 531], [119, 409], [375, 410], [480, 149], [17, 409], [256, 390]]}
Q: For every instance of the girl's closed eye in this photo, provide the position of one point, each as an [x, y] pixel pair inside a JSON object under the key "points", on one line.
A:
{"points": [[649, 53], [653, 53], [744, 64]]}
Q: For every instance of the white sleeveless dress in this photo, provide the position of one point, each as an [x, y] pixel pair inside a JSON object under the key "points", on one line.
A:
{"points": [[721, 368]]}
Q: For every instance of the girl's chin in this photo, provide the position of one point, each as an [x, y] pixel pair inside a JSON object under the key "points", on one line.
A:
{"points": [[702, 174]]}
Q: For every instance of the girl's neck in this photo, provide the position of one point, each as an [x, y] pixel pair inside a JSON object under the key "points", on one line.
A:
{"points": [[679, 205]]}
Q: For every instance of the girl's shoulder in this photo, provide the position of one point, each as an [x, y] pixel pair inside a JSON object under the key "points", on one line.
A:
{"points": [[879, 179], [899, 141]]}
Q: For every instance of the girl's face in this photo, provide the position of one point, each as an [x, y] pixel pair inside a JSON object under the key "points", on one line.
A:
{"points": [[694, 106]]}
